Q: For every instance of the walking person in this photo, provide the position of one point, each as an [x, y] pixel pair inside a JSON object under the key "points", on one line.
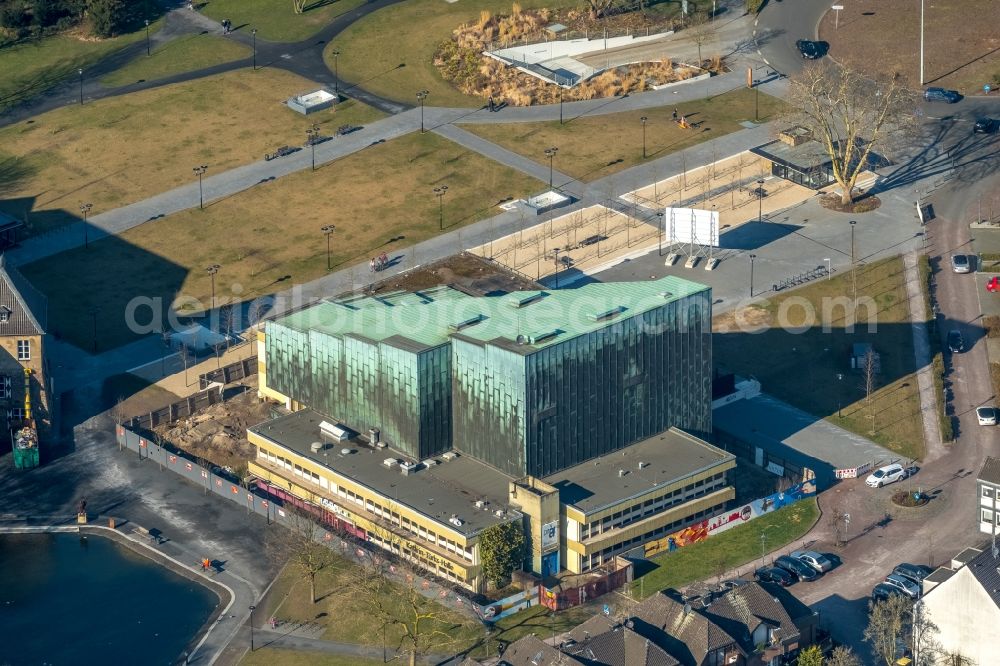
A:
{"points": [[675, 113], [492, 104]]}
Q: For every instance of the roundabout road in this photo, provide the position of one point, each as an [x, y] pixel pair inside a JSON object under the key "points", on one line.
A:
{"points": [[780, 24]]}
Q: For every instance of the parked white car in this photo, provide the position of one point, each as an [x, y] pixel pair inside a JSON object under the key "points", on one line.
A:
{"points": [[987, 416], [960, 263], [904, 584], [886, 475]]}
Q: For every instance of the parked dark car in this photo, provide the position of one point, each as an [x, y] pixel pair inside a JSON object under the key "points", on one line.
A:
{"points": [[915, 572], [801, 570], [774, 575], [883, 591], [986, 126], [811, 50], [956, 344], [942, 95]]}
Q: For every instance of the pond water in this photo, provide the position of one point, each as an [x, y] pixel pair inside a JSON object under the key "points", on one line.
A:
{"points": [[84, 599]]}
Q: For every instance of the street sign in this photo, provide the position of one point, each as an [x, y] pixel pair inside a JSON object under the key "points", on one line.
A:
{"points": [[837, 7], [986, 89], [847, 519], [607, 609]]}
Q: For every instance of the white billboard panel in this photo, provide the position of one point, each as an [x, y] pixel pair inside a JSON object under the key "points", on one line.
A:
{"points": [[691, 225]]}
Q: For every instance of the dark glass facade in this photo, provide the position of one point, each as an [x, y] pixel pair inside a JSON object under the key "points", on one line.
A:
{"points": [[528, 411]]}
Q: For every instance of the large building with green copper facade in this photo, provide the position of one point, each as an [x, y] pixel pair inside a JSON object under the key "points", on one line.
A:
{"points": [[530, 383]]}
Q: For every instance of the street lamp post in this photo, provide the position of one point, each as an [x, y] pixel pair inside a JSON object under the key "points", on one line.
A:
{"points": [[80, 72], [752, 257], [439, 192], [312, 134], [854, 271], [336, 75], [555, 251], [659, 237], [840, 394], [147, 38], [921, 42], [551, 154], [828, 270], [212, 270], [421, 96], [93, 314], [200, 171], [85, 210], [560, 105], [763, 539], [760, 199], [252, 609], [644, 119], [253, 34], [328, 231]]}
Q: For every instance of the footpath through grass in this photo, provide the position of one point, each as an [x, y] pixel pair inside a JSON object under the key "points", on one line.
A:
{"points": [[184, 54], [592, 147], [124, 149], [373, 49], [728, 550], [275, 20], [269, 237], [811, 368]]}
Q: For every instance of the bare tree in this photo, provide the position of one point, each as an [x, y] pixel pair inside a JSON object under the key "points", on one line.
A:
{"points": [[869, 382], [887, 626], [186, 357], [302, 546], [851, 115], [420, 623], [227, 321], [839, 520], [299, 6], [701, 30], [842, 656], [599, 8]]}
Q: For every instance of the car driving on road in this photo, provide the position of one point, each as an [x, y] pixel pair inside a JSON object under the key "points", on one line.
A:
{"points": [[956, 344], [986, 126], [817, 561], [800, 569], [907, 586], [886, 475], [960, 263], [811, 50]]}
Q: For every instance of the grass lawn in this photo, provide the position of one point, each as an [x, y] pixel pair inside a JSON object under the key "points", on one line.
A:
{"points": [[268, 238], [372, 49], [885, 38], [592, 147], [270, 656], [123, 149], [791, 366], [184, 54], [31, 68], [274, 19], [728, 550]]}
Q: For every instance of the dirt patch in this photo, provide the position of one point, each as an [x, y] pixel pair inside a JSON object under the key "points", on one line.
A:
{"points": [[218, 433], [863, 205], [749, 319], [909, 499], [885, 35]]}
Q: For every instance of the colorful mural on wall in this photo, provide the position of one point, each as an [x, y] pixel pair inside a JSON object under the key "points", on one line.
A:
{"points": [[731, 518]]}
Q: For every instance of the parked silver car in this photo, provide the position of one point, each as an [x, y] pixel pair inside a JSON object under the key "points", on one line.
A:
{"points": [[817, 561]]}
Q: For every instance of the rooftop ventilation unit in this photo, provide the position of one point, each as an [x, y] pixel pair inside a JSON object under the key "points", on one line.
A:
{"points": [[456, 521], [337, 432], [390, 462], [316, 447], [449, 455], [482, 504], [499, 513], [471, 321], [430, 462], [346, 452], [643, 465], [622, 472], [666, 294], [408, 468], [539, 338], [520, 301], [607, 314]]}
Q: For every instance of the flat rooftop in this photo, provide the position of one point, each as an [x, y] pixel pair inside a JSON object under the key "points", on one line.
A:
{"points": [[807, 155], [522, 320], [668, 457], [447, 489]]}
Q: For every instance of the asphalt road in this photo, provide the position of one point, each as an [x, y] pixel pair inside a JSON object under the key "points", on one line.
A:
{"points": [[778, 27]]}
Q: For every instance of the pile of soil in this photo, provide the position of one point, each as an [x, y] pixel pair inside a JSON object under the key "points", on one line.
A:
{"points": [[218, 433]]}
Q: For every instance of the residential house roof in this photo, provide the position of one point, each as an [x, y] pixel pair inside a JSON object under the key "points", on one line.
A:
{"points": [[743, 609], [676, 627], [532, 651], [594, 626], [986, 569], [621, 647], [991, 470], [25, 306]]}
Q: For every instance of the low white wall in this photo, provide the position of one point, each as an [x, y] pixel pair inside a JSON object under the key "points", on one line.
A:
{"points": [[534, 54]]}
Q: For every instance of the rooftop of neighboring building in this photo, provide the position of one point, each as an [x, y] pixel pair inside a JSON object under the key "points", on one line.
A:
{"points": [[808, 154], [25, 307], [666, 458], [621, 646], [679, 629], [532, 651], [522, 321], [985, 567], [742, 609], [990, 471], [446, 489]]}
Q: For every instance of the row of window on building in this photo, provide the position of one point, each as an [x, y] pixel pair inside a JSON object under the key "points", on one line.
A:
{"points": [[371, 506], [593, 560], [652, 506], [989, 515]]}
